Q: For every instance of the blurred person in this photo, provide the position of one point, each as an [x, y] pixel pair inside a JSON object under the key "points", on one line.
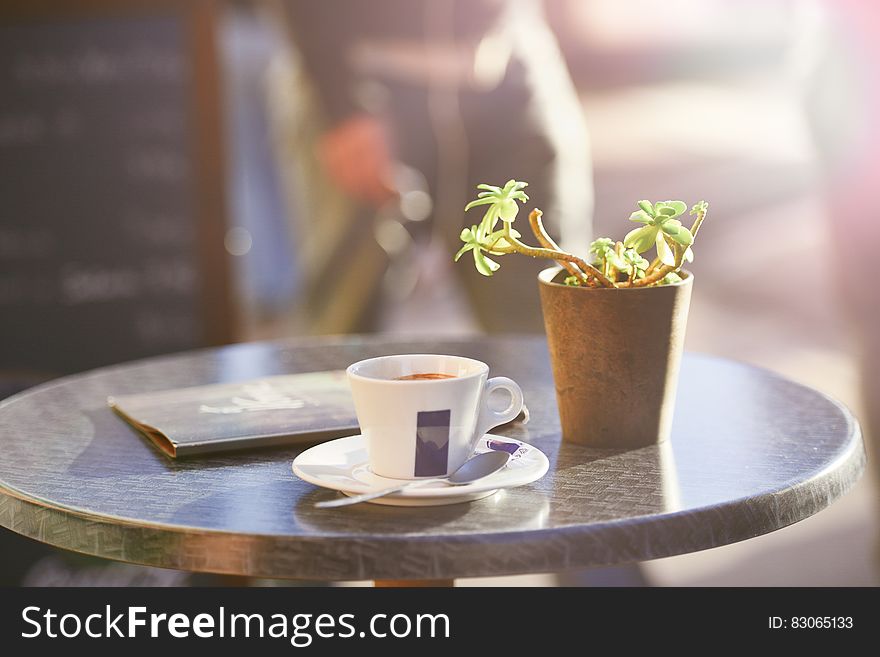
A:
{"points": [[405, 106], [843, 102]]}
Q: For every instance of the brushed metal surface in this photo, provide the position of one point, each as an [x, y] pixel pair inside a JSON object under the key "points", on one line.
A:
{"points": [[750, 453]]}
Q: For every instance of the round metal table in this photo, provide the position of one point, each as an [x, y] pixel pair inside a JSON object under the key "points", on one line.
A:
{"points": [[751, 452]]}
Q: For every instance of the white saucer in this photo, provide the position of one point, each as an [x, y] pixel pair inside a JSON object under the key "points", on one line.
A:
{"points": [[341, 465]]}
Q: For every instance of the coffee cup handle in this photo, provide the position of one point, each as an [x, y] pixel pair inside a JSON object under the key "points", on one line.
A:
{"points": [[490, 418]]}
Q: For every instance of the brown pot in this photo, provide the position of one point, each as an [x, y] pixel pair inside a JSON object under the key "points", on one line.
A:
{"points": [[615, 354]]}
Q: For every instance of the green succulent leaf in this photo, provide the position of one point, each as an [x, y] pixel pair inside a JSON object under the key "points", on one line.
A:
{"points": [[487, 225], [667, 257], [600, 245], [632, 264], [462, 251], [683, 236], [616, 261], [641, 239], [671, 278], [670, 208], [486, 266], [485, 200], [671, 227], [515, 185], [700, 208], [502, 202], [642, 217], [469, 237], [647, 207], [632, 257], [507, 210]]}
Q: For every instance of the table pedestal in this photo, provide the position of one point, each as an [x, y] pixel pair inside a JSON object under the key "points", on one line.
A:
{"points": [[408, 583]]}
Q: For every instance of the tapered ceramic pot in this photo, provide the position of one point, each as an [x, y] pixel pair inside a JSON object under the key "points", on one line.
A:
{"points": [[615, 355]]}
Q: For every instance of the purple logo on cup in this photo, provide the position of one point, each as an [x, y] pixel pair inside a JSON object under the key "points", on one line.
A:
{"points": [[516, 449], [503, 446], [432, 443]]}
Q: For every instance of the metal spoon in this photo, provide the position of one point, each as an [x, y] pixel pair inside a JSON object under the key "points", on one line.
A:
{"points": [[477, 467]]}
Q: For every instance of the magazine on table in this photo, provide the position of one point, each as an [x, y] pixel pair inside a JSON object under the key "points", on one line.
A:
{"points": [[276, 410]]}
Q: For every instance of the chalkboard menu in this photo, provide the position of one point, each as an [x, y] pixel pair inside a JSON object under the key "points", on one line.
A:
{"points": [[111, 184]]}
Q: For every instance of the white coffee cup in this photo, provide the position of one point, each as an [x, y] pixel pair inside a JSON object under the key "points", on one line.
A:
{"points": [[419, 428]]}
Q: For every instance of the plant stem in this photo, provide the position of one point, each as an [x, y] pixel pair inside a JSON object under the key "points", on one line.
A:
{"points": [[697, 223], [654, 264], [615, 273], [547, 242], [518, 247], [660, 272], [553, 254]]}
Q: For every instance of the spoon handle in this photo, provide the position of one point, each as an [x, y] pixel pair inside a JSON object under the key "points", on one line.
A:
{"points": [[356, 499]]}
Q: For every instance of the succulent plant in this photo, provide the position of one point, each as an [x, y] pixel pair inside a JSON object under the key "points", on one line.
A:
{"points": [[614, 263]]}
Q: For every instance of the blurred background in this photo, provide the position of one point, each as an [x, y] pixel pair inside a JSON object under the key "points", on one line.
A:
{"points": [[184, 174]]}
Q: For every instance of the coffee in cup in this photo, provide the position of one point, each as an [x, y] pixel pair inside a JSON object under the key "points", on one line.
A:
{"points": [[424, 376]]}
